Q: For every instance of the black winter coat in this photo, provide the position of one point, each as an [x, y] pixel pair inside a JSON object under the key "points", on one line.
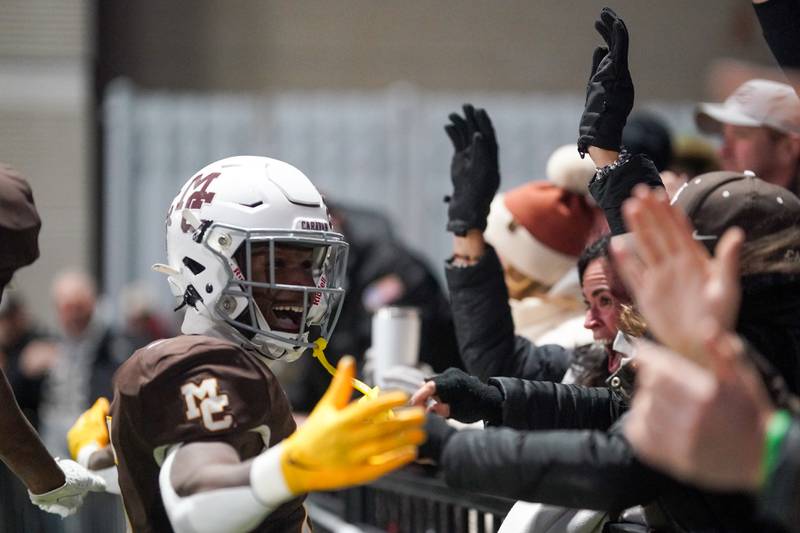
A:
{"points": [[485, 329], [593, 467]]}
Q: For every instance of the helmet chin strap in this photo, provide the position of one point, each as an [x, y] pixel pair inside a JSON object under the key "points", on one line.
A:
{"points": [[319, 353]]}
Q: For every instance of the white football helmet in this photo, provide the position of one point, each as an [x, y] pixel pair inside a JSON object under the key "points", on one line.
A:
{"points": [[226, 214]]}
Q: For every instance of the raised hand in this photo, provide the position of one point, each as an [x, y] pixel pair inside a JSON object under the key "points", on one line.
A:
{"points": [[702, 425], [679, 289], [474, 170], [609, 92]]}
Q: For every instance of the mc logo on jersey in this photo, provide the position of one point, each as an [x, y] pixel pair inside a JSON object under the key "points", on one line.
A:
{"points": [[204, 401]]}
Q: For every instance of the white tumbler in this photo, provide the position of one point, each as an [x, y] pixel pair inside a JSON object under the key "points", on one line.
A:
{"points": [[395, 339]]}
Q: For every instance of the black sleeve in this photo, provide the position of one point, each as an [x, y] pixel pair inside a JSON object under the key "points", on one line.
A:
{"points": [[779, 501], [611, 188], [485, 329], [543, 406], [578, 469], [780, 23]]}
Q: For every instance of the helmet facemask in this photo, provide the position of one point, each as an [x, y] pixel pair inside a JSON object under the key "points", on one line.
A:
{"points": [[285, 288]]}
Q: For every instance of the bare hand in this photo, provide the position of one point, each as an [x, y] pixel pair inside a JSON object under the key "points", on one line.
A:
{"points": [[677, 287], [704, 426], [426, 397], [38, 358]]}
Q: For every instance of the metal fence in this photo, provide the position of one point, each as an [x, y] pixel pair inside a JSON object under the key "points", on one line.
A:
{"points": [[100, 513], [413, 500]]}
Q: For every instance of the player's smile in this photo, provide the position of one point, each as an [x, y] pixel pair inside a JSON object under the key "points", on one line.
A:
{"points": [[283, 309], [285, 316]]}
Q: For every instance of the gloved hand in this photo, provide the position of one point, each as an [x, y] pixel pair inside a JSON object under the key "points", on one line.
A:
{"points": [[474, 170], [343, 444], [469, 398], [66, 499], [439, 432], [609, 93], [89, 429]]}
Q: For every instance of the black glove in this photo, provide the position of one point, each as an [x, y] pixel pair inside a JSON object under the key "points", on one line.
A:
{"points": [[609, 93], [438, 432], [474, 170], [469, 398]]}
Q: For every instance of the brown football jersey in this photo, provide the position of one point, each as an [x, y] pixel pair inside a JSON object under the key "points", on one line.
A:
{"points": [[192, 388]]}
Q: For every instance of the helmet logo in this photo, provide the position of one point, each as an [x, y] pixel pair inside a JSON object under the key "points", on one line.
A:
{"points": [[200, 195]]}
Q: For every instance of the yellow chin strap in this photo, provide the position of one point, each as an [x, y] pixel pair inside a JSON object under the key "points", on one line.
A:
{"points": [[319, 352]]}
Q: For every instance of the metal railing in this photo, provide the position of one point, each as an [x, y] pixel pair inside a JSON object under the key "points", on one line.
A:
{"points": [[413, 500]]}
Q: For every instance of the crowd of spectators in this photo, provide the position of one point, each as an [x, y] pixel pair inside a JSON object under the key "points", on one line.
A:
{"points": [[700, 309], [619, 344]]}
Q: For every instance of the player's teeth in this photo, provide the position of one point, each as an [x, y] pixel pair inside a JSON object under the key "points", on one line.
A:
{"points": [[294, 308]]}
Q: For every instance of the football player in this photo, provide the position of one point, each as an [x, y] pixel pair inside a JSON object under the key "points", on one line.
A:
{"points": [[201, 429], [55, 485]]}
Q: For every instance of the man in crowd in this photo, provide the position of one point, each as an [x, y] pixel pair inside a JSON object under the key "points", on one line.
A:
{"points": [[760, 128], [88, 353]]}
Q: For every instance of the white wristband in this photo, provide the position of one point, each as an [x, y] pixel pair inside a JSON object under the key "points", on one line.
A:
{"points": [[85, 453], [266, 478]]}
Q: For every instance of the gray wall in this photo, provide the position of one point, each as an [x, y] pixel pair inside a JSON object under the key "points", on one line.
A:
{"points": [[518, 45], [44, 130]]}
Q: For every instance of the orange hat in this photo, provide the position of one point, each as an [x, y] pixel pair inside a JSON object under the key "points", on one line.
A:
{"points": [[540, 229]]}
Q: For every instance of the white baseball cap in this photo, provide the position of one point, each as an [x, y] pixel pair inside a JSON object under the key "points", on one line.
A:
{"points": [[755, 103]]}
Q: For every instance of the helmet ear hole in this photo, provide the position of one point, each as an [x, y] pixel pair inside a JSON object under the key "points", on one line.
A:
{"points": [[195, 267]]}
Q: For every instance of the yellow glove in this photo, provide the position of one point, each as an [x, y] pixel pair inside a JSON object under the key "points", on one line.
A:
{"points": [[90, 428], [343, 444]]}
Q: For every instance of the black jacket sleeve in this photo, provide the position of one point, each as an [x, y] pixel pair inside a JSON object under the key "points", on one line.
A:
{"points": [[780, 23], [779, 501], [611, 187], [485, 329], [578, 469], [542, 405], [588, 470]]}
